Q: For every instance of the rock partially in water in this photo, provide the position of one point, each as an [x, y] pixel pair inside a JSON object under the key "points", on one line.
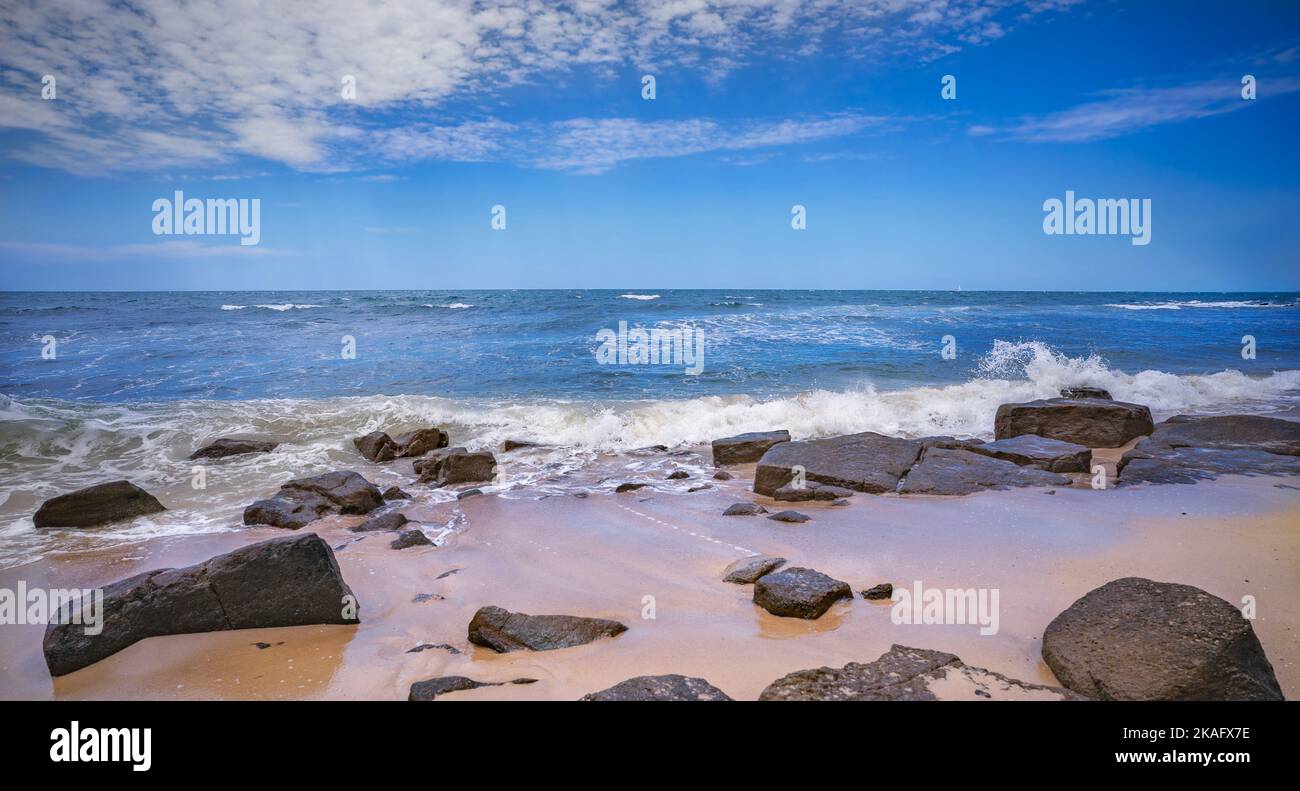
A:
{"points": [[503, 631], [1091, 422], [432, 688], [304, 500], [227, 446], [746, 448], [410, 538], [97, 505], [389, 521]]}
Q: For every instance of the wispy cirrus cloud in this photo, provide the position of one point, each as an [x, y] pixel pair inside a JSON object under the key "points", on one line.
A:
{"points": [[151, 84], [170, 250]]}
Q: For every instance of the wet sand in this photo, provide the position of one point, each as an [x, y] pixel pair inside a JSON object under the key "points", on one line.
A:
{"points": [[603, 555]]}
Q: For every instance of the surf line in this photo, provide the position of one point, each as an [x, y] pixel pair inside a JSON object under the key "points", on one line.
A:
{"points": [[710, 539]]}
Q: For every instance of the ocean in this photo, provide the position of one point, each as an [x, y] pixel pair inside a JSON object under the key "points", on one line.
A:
{"points": [[134, 382]]}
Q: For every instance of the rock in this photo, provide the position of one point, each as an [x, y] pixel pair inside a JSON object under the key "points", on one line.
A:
{"points": [[722, 475], [905, 673], [456, 465], [304, 500], [953, 471], [1185, 449], [1086, 392], [226, 446], [793, 517], [866, 462], [96, 505], [420, 441], [376, 446], [1091, 422], [389, 521], [704, 487], [840, 502], [746, 570], [677, 475], [744, 509], [799, 593], [432, 688], [884, 590], [811, 490], [1031, 450], [395, 493], [451, 649], [746, 448], [670, 687], [421, 598], [1135, 639], [516, 444], [410, 538], [649, 450], [628, 487], [468, 493], [503, 631], [290, 581]]}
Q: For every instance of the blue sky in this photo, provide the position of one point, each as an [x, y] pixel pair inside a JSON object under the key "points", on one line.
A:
{"points": [[760, 105]]}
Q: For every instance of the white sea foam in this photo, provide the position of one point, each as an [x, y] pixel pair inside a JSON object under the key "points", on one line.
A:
{"points": [[280, 308], [1196, 303], [642, 297]]}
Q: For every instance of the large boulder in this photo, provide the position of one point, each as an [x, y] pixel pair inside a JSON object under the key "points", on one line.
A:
{"points": [[866, 462], [450, 466], [304, 500], [377, 446], [291, 581], [670, 687], [956, 471], [799, 593], [1136, 639], [96, 505], [1184, 449], [1091, 422], [1031, 450], [503, 631], [221, 448], [746, 570], [905, 673], [746, 448]]}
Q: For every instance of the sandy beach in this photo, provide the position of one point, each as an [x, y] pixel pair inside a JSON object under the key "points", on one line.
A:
{"points": [[604, 554]]}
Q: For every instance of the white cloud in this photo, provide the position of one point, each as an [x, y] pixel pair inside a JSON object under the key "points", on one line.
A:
{"points": [[154, 84]]}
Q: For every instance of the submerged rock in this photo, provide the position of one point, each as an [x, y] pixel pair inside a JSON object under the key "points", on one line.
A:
{"points": [[304, 500], [953, 471], [677, 475], [1136, 639], [1031, 450], [904, 673], [1185, 449], [670, 687], [432, 688], [746, 448], [97, 505], [289, 581], [628, 487], [410, 538], [503, 631], [1091, 422], [226, 446], [516, 444], [746, 570], [799, 593]]}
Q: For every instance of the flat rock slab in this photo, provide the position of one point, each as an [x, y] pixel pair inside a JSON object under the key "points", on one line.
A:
{"points": [[449, 466], [905, 673], [746, 570], [304, 500], [955, 471], [291, 581], [791, 517], [866, 462], [97, 505], [503, 631], [226, 446], [1031, 450], [432, 688], [1185, 449], [1137, 639], [670, 687], [746, 448], [1091, 422], [744, 509], [799, 593]]}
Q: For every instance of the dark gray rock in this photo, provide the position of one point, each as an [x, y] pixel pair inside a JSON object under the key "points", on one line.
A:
{"points": [[503, 631], [96, 505], [449, 648], [1086, 392], [410, 538], [1136, 639], [841, 502], [677, 475], [432, 688], [1091, 422], [1031, 450], [954, 471], [290, 581], [389, 521], [395, 493], [905, 673], [670, 687], [304, 500], [376, 446], [744, 509], [866, 462], [704, 487], [468, 493], [884, 590], [792, 517], [516, 444], [628, 487], [1185, 449], [722, 475], [450, 466], [811, 490], [746, 448], [227, 446], [746, 570], [799, 593]]}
